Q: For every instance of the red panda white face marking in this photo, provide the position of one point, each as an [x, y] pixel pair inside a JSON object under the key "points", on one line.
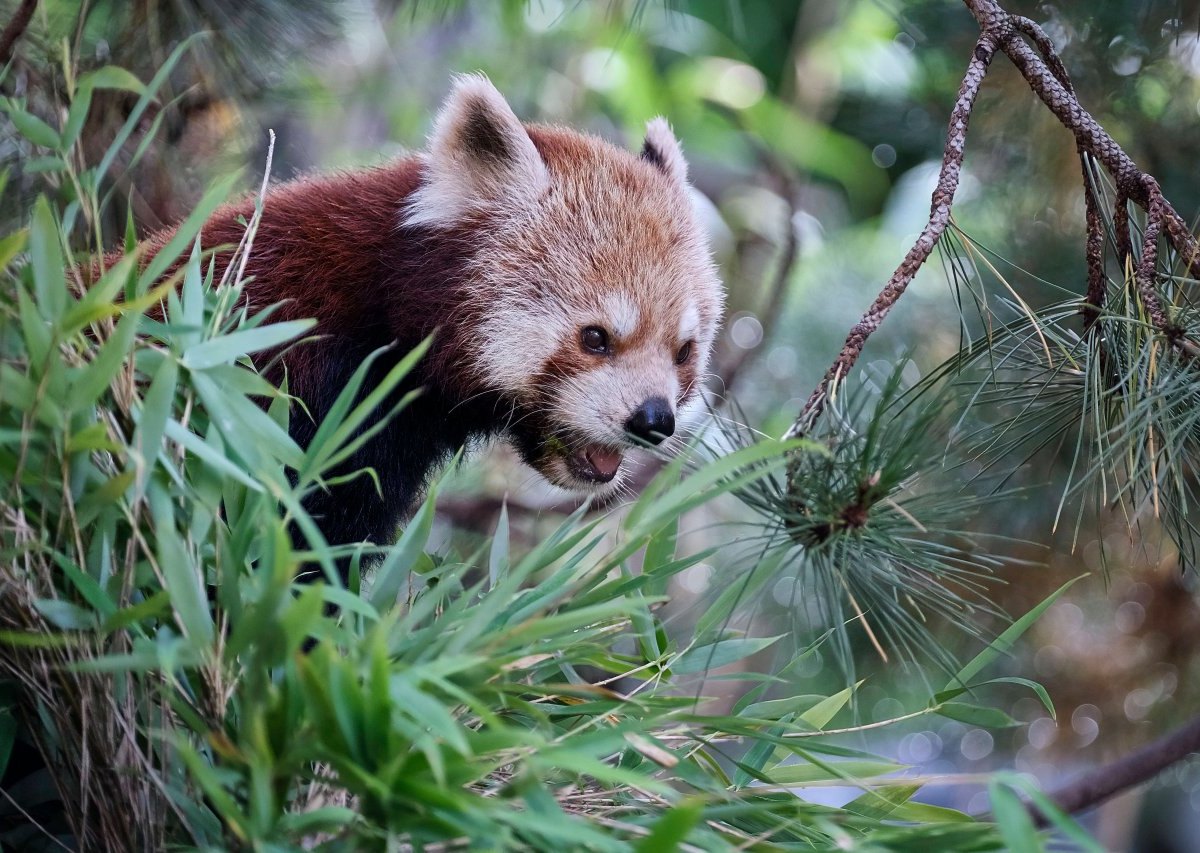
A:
{"points": [[591, 300]]}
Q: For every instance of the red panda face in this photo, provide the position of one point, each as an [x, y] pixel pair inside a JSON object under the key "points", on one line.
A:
{"points": [[590, 301]]}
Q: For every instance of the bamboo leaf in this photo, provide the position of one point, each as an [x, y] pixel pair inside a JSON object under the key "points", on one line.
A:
{"points": [[33, 128], [1004, 643], [45, 252], [228, 348], [715, 655]]}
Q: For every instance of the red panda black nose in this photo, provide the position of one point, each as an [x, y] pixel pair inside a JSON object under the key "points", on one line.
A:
{"points": [[653, 421]]}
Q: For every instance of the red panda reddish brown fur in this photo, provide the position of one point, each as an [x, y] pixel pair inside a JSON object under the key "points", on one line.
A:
{"points": [[567, 284]]}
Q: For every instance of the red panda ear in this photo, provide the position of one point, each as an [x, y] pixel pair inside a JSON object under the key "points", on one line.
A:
{"points": [[662, 149], [480, 157]]}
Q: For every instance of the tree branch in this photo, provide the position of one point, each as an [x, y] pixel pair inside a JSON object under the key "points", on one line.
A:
{"points": [[1046, 75], [15, 28], [1100, 783], [1088, 133], [939, 219]]}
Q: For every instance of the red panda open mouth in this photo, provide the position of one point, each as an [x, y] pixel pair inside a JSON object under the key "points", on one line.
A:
{"points": [[595, 463], [564, 456]]}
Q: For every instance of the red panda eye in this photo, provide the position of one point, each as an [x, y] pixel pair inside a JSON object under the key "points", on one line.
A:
{"points": [[595, 340], [684, 352]]}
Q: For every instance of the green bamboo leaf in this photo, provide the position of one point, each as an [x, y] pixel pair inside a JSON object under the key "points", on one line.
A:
{"points": [[401, 557], [109, 492], [81, 105], [36, 332], [194, 285], [775, 709], [156, 606], [156, 410], [45, 165], [498, 556], [1012, 819], [184, 580], [323, 820], [232, 817], [342, 421], [742, 465], [1038, 690], [835, 773], [11, 246], [1059, 819], [100, 299], [1004, 643], [895, 802], [673, 827], [207, 454], [228, 348], [112, 77], [988, 718], [880, 803], [90, 383], [428, 712], [660, 551], [714, 655], [45, 253], [820, 714], [88, 587], [32, 127], [238, 418], [64, 615]]}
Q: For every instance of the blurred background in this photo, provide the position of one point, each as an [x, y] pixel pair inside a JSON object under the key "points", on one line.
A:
{"points": [[814, 131]]}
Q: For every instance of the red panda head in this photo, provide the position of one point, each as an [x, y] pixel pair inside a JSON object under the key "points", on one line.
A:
{"points": [[590, 299]]}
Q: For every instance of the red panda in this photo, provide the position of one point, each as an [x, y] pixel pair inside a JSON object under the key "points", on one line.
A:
{"points": [[568, 285]]}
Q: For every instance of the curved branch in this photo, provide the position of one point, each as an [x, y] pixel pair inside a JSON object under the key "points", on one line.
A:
{"points": [[1046, 75], [1087, 131], [15, 28], [1100, 783], [1096, 290], [939, 219]]}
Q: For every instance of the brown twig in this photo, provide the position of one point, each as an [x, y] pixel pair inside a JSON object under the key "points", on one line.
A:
{"points": [[1096, 290], [939, 219], [1121, 228], [1136, 184], [15, 28], [1046, 75], [1100, 783]]}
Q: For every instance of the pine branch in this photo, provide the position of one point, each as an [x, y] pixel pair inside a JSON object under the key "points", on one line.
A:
{"points": [[939, 219], [1046, 75]]}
